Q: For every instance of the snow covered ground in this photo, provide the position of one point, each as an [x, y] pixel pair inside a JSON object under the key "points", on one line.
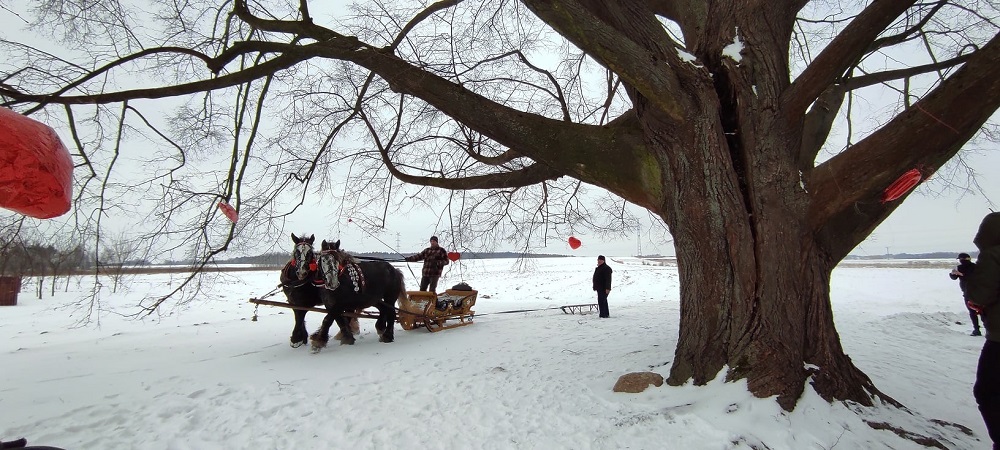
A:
{"points": [[205, 376]]}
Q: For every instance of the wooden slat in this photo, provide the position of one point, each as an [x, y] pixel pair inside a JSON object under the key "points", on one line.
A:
{"points": [[362, 315], [286, 305]]}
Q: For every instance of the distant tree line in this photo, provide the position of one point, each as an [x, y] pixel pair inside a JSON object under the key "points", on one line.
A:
{"points": [[20, 257]]}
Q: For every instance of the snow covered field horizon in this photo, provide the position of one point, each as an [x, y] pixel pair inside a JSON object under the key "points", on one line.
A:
{"points": [[204, 375]]}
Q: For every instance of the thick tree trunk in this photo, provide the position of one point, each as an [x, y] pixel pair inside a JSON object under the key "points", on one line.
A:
{"points": [[758, 305], [755, 297]]}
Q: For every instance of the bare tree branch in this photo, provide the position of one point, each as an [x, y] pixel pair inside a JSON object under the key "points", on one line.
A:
{"points": [[290, 57], [871, 79], [911, 32], [840, 54], [652, 71], [846, 189]]}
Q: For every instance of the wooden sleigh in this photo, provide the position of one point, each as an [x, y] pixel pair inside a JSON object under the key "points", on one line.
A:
{"points": [[433, 311]]}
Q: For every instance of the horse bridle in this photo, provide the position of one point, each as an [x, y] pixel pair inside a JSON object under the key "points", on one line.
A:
{"points": [[341, 267], [326, 272], [303, 248]]}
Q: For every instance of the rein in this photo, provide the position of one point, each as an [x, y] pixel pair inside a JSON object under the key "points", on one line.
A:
{"points": [[299, 283], [372, 258]]}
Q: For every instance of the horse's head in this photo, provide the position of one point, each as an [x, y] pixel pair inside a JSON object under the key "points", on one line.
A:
{"points": [[303, 257], [331, 259]]}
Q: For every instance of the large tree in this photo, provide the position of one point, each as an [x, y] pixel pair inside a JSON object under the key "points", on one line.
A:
{"points": [[715, 116]]}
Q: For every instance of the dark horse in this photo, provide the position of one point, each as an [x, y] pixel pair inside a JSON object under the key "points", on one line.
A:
{"points": [[352, 286], [299, 282]]}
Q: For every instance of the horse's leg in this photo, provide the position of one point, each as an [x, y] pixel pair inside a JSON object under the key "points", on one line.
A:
{"points": [[299, 333], [355, 326], [389, 334], [346, 337], [386, 321], [355, 323], [321, 336], [380, 325], [387, 308]]}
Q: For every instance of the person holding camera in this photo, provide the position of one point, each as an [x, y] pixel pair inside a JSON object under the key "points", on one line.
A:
{"points": [[962, 273]]}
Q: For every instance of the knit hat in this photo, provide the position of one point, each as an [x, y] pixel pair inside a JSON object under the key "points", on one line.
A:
{"points": [[434, 238], [964, 256], [600, 257]]}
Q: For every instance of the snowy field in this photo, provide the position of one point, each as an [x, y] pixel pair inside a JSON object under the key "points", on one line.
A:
{"points": [[204, 376]]}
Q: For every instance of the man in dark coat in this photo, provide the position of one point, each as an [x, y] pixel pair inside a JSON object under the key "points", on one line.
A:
{"points": [[602, 284], [983, 292], [962, 273], [435, 258]]}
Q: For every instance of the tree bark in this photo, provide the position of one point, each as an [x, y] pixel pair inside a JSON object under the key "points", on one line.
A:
{"points": [[755, 300], [755, 297]]}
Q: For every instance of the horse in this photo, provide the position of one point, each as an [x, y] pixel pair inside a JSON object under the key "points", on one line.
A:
{"points": [[299, 283], [350, 285]]}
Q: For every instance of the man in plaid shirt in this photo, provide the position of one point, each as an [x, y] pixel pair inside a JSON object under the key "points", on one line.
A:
{"points": [[435, 258]]}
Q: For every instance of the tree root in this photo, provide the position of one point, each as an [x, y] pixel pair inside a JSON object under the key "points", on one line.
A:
{"points": [[926, 441]]}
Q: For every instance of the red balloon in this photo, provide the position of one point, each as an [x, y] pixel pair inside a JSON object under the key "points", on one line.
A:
{"points": [[229, 211], [574, 243], [36, 171], [454, 256]]}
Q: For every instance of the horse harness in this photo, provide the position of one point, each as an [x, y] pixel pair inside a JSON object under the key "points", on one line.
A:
{"points": [[357, 276], [312, 269]]}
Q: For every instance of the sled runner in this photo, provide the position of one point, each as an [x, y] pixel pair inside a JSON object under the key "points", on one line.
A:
{"points": [[433, 311], [581, 309]]}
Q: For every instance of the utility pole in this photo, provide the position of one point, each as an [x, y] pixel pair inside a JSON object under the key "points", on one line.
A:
{"points": [[638, 235]]}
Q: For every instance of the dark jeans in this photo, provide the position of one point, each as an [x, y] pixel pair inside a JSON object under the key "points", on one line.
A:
{"points": [[987, 389], [973, 316], [602, 302], [431, 282]]}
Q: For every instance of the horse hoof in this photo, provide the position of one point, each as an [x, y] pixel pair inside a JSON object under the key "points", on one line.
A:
{"points": [[297, 344], [317, 343], [386, 339], [314, 349], [347, 342]]}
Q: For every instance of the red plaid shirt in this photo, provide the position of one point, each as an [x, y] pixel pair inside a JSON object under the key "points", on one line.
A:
{"points": [[434, 258]]}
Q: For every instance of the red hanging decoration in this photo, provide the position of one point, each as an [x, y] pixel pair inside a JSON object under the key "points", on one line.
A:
{"points": [[454, 256], [902, 185], [36, 171], [574, 243], [229, 212]]}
